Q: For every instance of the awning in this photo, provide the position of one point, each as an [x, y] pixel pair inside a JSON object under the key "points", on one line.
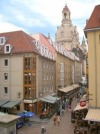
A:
{"points": [[93, 115], [11, 104], [66, 89], [45, 100], [78, 107], [84, 97], [75, 86], [2, 102], [50, 99], [30, 101]]}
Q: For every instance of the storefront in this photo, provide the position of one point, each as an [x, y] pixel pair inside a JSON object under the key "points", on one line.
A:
{"points": [[49, 105]]}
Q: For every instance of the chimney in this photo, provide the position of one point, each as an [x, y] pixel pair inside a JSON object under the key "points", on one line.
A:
{"points": [[86, 21]]}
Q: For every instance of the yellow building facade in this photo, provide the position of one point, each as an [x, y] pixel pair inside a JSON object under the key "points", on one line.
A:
{"points": [[92, 33]]}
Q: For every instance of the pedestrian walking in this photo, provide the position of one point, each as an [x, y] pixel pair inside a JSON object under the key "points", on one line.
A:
{"points": [[58, 120], [63, 111], [67, 101], [54, 119], [69, 108], [43, 130]]}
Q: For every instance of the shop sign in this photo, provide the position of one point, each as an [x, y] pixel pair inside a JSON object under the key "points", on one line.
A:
{"points": [[82, 103]]}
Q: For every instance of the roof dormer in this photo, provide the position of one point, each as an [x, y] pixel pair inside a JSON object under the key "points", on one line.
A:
{"points": [[7, 48], [2, 41]]}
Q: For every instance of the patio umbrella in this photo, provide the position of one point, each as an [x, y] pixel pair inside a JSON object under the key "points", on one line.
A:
{"points": [[26, 114], [29, 114]]}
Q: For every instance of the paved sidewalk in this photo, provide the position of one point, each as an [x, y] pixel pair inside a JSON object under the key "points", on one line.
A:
{"points": [[36, 119]]}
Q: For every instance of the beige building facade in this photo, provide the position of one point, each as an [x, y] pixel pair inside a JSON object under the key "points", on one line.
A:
{"points": [[17, 72]]}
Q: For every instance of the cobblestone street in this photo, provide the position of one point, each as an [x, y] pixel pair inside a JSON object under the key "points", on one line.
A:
{"points": [[65, 127]]}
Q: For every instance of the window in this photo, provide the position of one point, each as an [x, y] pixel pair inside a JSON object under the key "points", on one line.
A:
{"points": [[6, 62], [18, 107], [2, 40], [5, 90], [5, 76], [62, 34], [7, 48]]}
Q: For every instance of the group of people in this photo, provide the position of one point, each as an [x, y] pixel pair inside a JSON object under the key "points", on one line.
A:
{"points": [[56, 119]]}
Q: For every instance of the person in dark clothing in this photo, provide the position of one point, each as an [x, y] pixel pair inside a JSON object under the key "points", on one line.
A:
{"points": [[63, 106], [43, 130], [58, 112]]}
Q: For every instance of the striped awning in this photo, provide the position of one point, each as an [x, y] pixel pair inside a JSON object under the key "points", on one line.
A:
{"points": [[93, 115]]}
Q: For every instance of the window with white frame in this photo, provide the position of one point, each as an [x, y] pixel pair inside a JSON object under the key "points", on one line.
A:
{"points": [[5, 76], [2, 40], [7, 48], [6, 62], [5, 90]]}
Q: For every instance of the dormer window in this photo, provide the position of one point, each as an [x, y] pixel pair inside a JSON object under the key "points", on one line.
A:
{"points": [[2, 40], [7, 48]]}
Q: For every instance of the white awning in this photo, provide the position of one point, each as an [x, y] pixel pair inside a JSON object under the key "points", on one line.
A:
{"points": [[78, 107], [50, 99], [93, 115], [11, 103], [2, 102], [75, 86], [66, 89], [30, 101]]}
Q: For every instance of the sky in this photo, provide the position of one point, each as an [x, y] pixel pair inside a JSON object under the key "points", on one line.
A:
{"points": [[43, 16]]}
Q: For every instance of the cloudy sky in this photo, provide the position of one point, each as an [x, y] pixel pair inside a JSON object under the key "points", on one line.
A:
{"points": [[43, 16]]}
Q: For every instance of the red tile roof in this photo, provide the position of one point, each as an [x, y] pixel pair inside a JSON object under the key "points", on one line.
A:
{"points": [[94, 21], [44, 40], [20, 42]]}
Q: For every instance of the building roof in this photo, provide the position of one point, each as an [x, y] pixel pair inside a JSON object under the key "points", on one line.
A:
{"points": [[94, 20], [20, 42], [6, 118], [66, 9], [45, 41]]}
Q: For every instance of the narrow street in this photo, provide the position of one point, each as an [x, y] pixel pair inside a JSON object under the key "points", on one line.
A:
{"points": [[65, 127]]}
